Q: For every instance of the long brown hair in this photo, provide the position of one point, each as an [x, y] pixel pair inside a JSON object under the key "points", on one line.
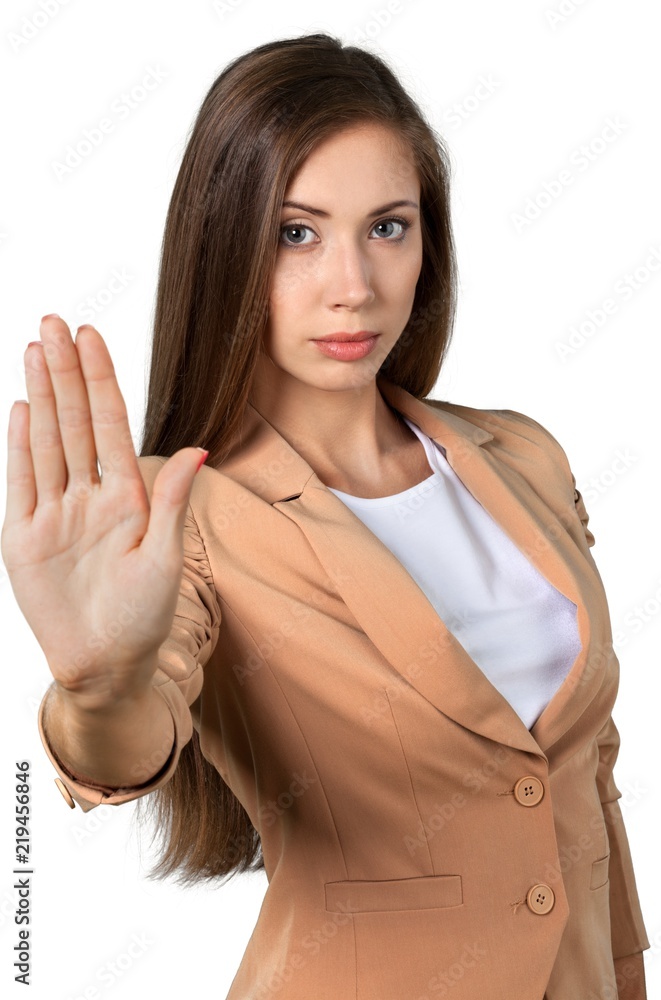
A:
{"points": [[261, 118]]}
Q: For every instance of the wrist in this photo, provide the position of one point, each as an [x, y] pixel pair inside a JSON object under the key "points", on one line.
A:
{"points": [[109, 699]]}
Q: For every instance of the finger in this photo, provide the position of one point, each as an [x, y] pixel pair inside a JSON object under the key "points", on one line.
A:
{"points": [[110, 423], [66, 406], [21, 488], [50, 471], [170, 495]]}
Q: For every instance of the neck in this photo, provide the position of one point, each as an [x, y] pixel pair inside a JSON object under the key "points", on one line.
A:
{"points": [[352, 430]]}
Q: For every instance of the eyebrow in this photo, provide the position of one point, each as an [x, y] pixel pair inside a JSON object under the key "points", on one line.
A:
{"points": [[326, 215]]}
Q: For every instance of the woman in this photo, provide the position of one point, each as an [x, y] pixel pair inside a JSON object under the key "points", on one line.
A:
{"points": [[380, 664]]}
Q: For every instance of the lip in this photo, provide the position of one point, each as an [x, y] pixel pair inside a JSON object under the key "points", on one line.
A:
{"points": [[343, 338], [353, 349]]}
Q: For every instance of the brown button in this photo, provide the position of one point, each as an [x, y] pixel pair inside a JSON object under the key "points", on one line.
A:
{"points": [[65, 792], [540, 898], [529, 791]]}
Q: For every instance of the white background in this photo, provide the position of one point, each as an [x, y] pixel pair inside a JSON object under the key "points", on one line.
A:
{"points": [[553, 81]]}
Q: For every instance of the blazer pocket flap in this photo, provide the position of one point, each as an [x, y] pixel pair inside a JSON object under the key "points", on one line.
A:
{"points": [[419, 893], [599, 874]]}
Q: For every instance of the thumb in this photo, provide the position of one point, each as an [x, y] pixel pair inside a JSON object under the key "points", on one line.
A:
{"points": [[170, 496]]}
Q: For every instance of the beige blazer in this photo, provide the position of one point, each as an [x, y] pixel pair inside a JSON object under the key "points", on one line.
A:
{"points": [[419, 840]]}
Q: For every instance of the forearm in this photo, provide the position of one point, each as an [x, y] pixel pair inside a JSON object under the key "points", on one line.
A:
{"points": [[118, 745]]}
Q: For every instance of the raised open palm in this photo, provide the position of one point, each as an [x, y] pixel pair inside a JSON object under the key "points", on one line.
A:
{"points": [[94, 566]]}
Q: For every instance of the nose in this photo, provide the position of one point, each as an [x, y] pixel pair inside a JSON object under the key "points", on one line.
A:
{"points": [[348, 277]]}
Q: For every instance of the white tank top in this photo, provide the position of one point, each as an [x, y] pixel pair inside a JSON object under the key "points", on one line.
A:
{"points": [[520, 631]]}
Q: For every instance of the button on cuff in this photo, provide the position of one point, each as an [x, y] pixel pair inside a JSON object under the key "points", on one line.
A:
{"points": [[65, 792]]}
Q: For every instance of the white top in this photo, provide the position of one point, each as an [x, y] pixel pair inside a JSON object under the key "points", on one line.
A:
{"points": [[520, 630]]}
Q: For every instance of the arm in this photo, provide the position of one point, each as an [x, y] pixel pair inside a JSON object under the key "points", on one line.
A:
{"points": [[630, 977], [628, 935], [106, 740], [176, 684]]}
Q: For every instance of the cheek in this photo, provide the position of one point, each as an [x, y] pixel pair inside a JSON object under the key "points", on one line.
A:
{"points": [[291, 279], [403, 276], [280, 290]]}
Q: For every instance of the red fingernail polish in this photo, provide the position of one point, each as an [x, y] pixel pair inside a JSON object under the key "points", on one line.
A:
{"points": [[202, 460]]}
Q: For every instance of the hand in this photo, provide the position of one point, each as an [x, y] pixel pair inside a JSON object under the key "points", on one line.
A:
{"points": [[95, 570]]}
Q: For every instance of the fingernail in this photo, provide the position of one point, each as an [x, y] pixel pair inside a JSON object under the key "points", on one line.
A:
{"points": [[202, 460], [51, 316], [33, 342]]}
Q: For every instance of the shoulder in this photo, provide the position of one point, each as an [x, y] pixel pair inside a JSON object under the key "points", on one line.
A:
{"points": [[505, 426], [522, 443], [150, 466]]}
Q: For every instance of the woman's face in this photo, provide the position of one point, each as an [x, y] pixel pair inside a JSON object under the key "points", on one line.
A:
{"points": [[348, 260]]}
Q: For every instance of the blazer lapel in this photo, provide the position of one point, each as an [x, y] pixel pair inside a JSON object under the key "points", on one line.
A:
{"points": [[386, 601], [492, 477]]}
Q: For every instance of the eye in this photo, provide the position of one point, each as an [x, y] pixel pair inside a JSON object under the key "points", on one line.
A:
{"points": [[296, 229], [402, 223]]}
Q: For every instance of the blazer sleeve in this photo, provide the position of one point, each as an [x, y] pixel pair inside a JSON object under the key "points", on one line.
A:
{"points": [[628, 934], [627, 927], [179, 676]]}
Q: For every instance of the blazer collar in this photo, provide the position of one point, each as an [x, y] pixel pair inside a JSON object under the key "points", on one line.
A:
{"points": [[389, 605], [264, 462]]}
